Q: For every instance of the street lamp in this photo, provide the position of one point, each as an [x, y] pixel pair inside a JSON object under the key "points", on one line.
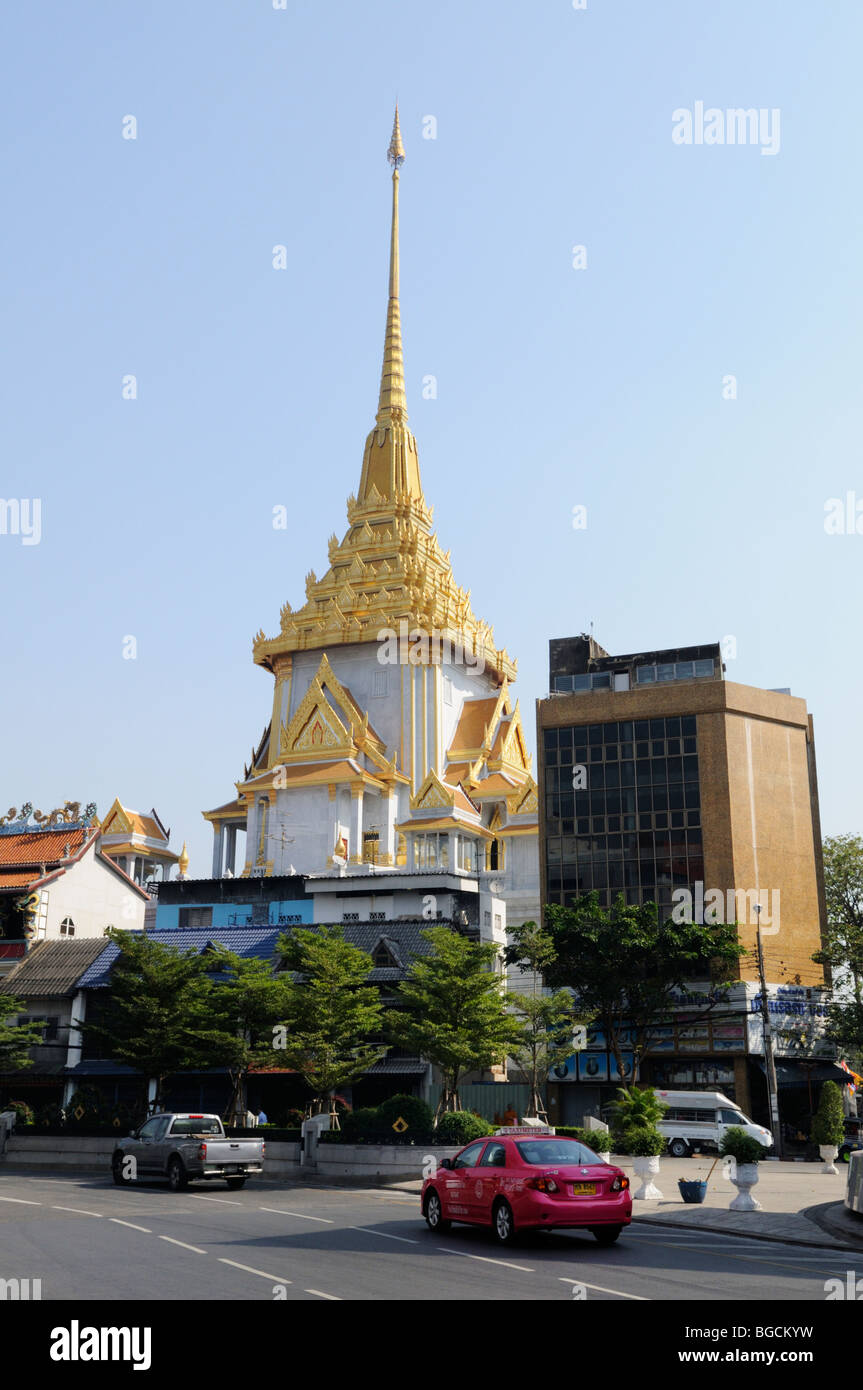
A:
{"points": [[767, 1032]]}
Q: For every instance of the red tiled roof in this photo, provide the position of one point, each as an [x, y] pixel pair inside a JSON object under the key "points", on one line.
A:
{"points": [[42, 846]]}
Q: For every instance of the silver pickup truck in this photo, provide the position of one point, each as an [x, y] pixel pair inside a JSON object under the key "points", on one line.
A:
{"points": [[183, 1149]]}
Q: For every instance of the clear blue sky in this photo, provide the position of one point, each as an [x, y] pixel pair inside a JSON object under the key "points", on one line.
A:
{"points": [[556, 387]]}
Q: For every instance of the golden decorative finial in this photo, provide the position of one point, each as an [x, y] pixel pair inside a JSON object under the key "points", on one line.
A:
{"points": [[183, 861], [396, 151], [392, 401]]}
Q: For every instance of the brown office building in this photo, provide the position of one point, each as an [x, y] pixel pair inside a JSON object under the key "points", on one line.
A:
{"points": [[656, 775]]}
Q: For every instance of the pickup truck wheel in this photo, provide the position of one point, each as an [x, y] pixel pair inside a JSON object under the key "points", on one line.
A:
{"points": [[234, 1184], [678, 1148], [177, 1175], [117, 1171]]}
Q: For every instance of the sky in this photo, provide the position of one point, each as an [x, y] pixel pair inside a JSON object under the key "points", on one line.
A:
{"points": [[691, 377]]}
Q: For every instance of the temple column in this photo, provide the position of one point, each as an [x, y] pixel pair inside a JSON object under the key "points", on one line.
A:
{"points": [[387, 846], [231, 849], [217, 850], [355, 846]]}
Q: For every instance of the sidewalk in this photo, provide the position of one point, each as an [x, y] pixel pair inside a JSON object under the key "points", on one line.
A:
{"points": [[799, 1203]]}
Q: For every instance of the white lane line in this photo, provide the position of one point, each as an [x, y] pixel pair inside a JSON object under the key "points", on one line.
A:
{"points": [[281, 1211], [599, 1289], [385, 1235], [507, 1264], [20, 1202], [197, 1249], [223, 1201], [331, 1296], [132, 1227], [79, 1210], [273, 1278], [758, 1260]]}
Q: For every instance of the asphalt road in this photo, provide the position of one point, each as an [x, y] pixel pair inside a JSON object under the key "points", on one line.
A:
{"points": [[89, 1240]]}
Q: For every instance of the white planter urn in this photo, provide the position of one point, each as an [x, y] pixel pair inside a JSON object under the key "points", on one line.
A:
{"points": [[828, 1152], [744, 1180], [646, 1168]]}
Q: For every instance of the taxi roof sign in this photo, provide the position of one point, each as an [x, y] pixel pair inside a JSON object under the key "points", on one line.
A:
{"points": [[526, 1129]]}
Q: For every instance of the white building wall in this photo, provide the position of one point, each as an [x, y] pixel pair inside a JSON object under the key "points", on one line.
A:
{"points": [[95, 897]]}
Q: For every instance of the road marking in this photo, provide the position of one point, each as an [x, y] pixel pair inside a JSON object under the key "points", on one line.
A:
{"points": [[598, 1287], [331, 1296], [525, 1269], [274, 1278], [758, 1259], [369, 1230], [223, 1201], [20, 1202], [80, 1211], [726, 1247], [281, 1211], [197, 1249], [131, 1225]]}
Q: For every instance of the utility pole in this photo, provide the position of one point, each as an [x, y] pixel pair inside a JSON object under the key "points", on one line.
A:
{"points": [[767, 1031]]}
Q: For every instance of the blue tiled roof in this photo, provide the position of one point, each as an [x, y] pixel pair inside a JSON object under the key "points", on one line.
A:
{"points": [[243, 941]]}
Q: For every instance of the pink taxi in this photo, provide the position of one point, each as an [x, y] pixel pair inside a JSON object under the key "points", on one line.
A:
{"points": [[528, 1179]]}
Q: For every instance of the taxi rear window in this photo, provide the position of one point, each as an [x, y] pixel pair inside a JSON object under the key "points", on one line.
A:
{"points": [[542, 1151]]}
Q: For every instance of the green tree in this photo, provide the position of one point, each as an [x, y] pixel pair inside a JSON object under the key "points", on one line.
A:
{"points": [[331, 1014], [16, 1038], [247, 1004], [157, 1013], [829, 1124], [454, 1011], [625, 962], [547, 1019], [842, 945]]}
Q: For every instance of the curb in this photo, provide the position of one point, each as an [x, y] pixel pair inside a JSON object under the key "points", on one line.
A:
{"points": [[749, 1235], [836, 1220]]}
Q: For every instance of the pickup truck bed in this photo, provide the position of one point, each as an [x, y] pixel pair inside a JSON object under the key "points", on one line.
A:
{"points": [[185, 1148]]}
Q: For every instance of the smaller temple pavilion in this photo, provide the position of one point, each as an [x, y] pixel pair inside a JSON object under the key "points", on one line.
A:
{"points": [[138, 843]]}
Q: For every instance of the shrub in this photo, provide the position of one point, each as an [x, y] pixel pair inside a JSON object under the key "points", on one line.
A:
{"points": [[22, 1110], [639, 1141], [412, 1109], [737, 1144], [358, 1124], [596, 1139], [829, 1124], [461, 1126]]}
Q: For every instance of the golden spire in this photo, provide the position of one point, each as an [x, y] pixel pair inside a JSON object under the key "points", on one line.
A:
{"points": [[392, 402], [183, 861]]}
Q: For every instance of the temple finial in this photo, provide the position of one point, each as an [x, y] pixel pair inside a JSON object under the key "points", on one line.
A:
{"points": [[396, 151], [392, 401]]}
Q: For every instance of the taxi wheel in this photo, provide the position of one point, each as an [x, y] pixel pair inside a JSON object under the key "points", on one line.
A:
{"points": [[434, 1216], [607, 1235], [504, 1223]]}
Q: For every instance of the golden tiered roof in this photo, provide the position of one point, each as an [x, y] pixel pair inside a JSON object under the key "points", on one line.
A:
{"points": [[389, 566]]}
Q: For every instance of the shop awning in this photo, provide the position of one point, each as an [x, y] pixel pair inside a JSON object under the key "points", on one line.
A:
{"points": [[800, 1073]]}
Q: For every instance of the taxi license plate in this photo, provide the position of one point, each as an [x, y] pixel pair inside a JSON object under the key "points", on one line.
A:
{"points": [[587, 1189]]}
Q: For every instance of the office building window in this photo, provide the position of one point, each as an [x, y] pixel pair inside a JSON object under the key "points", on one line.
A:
{"points": [[623, 810]]}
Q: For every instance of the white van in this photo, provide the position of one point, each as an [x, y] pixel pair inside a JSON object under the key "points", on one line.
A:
{"points": [[698, 1120]]}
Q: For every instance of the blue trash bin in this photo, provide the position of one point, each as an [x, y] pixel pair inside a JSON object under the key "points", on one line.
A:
{"points": [[692, 1192]]}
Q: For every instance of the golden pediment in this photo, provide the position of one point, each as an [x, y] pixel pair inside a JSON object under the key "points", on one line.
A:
{"points": [[433, 795]]}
